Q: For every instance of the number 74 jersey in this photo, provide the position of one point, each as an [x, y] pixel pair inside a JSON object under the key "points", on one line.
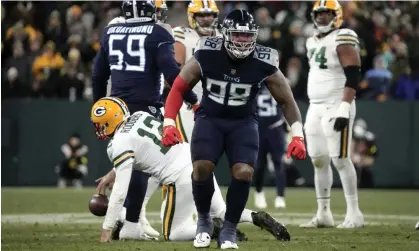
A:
{"points": [[138, 141], [326, 78]]}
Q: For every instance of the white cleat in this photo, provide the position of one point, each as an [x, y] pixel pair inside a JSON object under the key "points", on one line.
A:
{"points": [[229, 245], [260, 200], [202, 240], [134, 234], [355, 221], [320, 221], [148, 229], [280, 202]]}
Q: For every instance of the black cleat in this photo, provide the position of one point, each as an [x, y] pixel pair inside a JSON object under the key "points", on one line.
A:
{"points": [[265, 221], [116, 230], [218, 224]]}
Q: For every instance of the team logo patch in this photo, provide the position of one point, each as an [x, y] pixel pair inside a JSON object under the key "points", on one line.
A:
{"points": [[233, 71], [99, 111], [152, 109]]}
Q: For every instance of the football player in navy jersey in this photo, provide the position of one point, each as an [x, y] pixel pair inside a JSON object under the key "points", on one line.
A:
{"points": [[232, 70], [134, 52]]}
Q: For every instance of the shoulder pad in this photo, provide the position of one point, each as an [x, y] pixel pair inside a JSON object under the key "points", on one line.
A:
{"points": [[210, 43], [162, 34], [167, 27], [179, 33], [120, 150], [267, 55], [346, 36], [117, 20]]}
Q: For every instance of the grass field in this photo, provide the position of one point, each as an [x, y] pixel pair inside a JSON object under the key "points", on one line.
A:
{"points": [[47, 219]]}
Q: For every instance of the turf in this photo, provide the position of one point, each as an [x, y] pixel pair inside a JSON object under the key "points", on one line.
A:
{"points": [[391, 216]]}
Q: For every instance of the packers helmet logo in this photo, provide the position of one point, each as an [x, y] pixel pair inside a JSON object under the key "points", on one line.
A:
{"points": [[99, 111]]}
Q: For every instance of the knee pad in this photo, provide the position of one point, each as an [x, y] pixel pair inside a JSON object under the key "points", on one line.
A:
{"points": [[320, 161], [340, 163]]}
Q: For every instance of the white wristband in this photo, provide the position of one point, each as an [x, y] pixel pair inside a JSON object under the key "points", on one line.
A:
{"points": [[169, 122], [297, 129]]}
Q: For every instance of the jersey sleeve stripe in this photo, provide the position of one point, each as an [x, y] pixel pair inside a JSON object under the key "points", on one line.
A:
{"points": [[179, 35], [121, 158], [347, 38]]}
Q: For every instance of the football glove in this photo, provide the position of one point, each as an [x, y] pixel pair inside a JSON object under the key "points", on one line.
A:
{"points": [[171, 135], [342, 116], [297, 148]]}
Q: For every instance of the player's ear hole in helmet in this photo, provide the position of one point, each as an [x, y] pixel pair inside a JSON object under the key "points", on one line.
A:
{"points": [[240, 33], [327, 15], [203, 16], [161, 11], [107, 115], [139, 11]]}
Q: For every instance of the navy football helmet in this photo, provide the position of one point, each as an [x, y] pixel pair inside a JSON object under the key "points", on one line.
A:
{"points": [[139, 11], [240, 33]]}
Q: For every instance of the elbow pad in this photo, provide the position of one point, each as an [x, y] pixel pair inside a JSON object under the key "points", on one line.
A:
{"points": [[353, 76]]}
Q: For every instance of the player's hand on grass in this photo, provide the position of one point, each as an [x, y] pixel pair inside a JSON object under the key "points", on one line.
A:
{"points": [[106, 181], [105, 236], [171, 135], [297, 148]]}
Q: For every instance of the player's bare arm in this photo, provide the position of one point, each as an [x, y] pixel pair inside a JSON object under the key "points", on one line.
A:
{"points": [[180, 53], [351, 63], [281, 91]]}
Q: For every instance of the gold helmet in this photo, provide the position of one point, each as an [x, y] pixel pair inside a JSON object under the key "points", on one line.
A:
{"points": [[202, 7], [107, 114], [161, 10], [329, 5]]}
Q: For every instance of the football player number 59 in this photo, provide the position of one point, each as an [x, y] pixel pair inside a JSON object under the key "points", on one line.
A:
{"points": [[132, 59]]}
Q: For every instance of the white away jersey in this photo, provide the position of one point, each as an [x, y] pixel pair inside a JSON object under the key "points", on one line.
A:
{"points": [[190, 38], [139, 141], [326, 78]]}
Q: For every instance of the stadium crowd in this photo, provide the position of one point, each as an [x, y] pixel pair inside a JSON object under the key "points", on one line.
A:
{"points": [[48, 47]]}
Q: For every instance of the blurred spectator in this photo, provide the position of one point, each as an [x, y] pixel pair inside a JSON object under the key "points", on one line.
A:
{"points": [[74, 21], [74, 167], [269, 32], [364, 152], [12, 87], [46, 63], [19, 61], [55, 30], [71, 84], [408, 86], [377, 81]]}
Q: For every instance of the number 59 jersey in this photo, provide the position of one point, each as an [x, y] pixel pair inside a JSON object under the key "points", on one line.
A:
{"points": [[326, 78], [139, 140], [135, 55], [229, 86]]}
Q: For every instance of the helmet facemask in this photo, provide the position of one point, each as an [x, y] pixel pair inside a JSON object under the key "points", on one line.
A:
{"points": [[206, 28], [240, 42], [324, 28]]}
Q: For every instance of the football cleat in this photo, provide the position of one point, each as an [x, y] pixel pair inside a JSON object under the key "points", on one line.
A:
{"points": [[218, 224], [320, 221], [116, 230], [265, 221], [202, 240]]}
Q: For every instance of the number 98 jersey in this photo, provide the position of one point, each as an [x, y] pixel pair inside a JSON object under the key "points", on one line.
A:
{"points": [[326, 78], [139, 141], [230, 87]]}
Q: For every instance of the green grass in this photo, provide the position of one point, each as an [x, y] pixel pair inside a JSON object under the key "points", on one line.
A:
{"points": [[381, 208]]}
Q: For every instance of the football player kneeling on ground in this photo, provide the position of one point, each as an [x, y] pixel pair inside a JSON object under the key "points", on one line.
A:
{"points": [[136, 144]]}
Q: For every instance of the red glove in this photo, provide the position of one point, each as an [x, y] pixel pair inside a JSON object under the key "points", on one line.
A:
{"points": [[195, 107], [297, 148], [171, 136]]}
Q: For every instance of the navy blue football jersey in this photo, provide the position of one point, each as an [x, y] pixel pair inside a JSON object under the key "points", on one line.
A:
{"points": [[134, 55], [230, 87], [268, 109]]}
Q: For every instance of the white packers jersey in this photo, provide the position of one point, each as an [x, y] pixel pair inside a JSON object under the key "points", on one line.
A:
{"points": [[189, 38], [139, 140], [326, 78]]}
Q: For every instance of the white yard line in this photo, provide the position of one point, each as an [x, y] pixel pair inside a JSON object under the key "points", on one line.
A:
{"points": [[153, 217]]}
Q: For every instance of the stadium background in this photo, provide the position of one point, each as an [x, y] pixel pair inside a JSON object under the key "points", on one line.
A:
{"points": [[46, 99]]}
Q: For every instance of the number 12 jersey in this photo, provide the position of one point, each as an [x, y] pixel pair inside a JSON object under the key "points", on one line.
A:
{"points": [[138, 141]]}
